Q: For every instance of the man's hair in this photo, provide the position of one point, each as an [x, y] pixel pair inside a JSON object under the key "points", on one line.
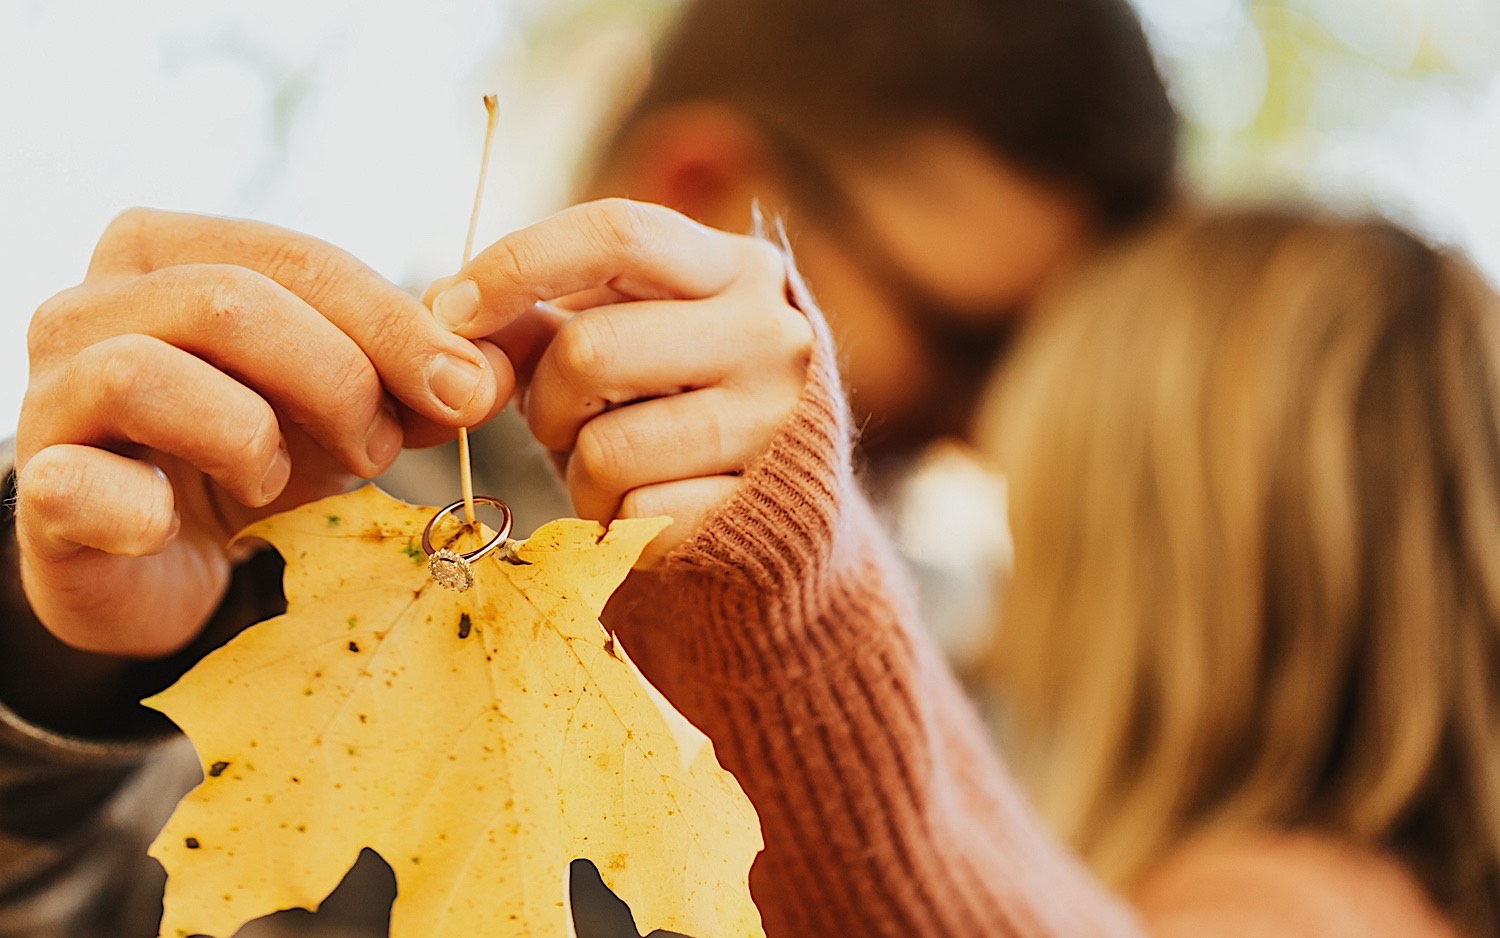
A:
{"points": [[1064, 90]]}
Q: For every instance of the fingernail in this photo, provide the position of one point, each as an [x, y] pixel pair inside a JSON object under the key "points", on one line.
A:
{"points": [[457, 305], [276, 475], [383, 440], [453, 380]]}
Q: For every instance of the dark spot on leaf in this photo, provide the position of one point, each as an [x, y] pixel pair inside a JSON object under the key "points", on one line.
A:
{"points": [[609, 648], [354, 646], [333, 521], [464, 625], [217, 769], [296, 780], [191, 843]]}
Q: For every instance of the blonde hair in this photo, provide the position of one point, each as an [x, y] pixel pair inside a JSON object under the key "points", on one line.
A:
{"points": [[1254, 463]]}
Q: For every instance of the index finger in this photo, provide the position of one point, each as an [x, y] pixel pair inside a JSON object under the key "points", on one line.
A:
{"points": [[637, 250], [435, 373]]}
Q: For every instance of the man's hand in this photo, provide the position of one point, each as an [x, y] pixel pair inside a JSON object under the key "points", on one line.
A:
{"points": [[208, 371]]}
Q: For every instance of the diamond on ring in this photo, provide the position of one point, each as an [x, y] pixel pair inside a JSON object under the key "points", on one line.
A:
{"points": [[450, 570]]}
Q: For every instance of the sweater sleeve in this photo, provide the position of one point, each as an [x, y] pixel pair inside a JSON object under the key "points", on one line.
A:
{"points": [[74, 813], [785, 630]]}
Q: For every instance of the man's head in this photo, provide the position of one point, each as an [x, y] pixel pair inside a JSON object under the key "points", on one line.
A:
{"points": [[936, 163]]}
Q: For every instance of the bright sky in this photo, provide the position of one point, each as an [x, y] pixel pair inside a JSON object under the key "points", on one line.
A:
{"points": [[359, 121]]}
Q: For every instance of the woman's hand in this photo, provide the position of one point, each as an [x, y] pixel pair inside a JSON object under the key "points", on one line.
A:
{"points": [[669, 359]]}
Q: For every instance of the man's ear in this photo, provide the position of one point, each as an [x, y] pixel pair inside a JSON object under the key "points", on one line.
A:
{"points": [[702, 158]]}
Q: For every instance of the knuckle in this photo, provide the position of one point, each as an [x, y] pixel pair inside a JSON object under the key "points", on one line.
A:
{"points": [[392, 334], [228, 299], [135, 528], [794, 334], [128, 227], [53, 322], [602, 453], [249, 438], [251, 435], [515, 260], [646, 502], [118, 367], [48, 487], [787, 331], [586, 347], [764, 260], [237, 448], [350, 387], [304, 266], [621, 224]]}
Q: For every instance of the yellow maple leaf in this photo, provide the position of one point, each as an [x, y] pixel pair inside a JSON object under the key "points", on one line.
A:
{"points": [[478, 741]]}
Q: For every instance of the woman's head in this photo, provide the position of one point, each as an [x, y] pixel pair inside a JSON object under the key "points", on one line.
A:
{"points": [[1254, 462], [935, 162]]}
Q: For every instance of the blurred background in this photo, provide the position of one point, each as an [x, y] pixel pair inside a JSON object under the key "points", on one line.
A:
{"points": [[360, 122]]}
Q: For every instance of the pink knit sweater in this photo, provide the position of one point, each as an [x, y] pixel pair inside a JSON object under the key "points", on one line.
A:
{"points": [[785, 630]]}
